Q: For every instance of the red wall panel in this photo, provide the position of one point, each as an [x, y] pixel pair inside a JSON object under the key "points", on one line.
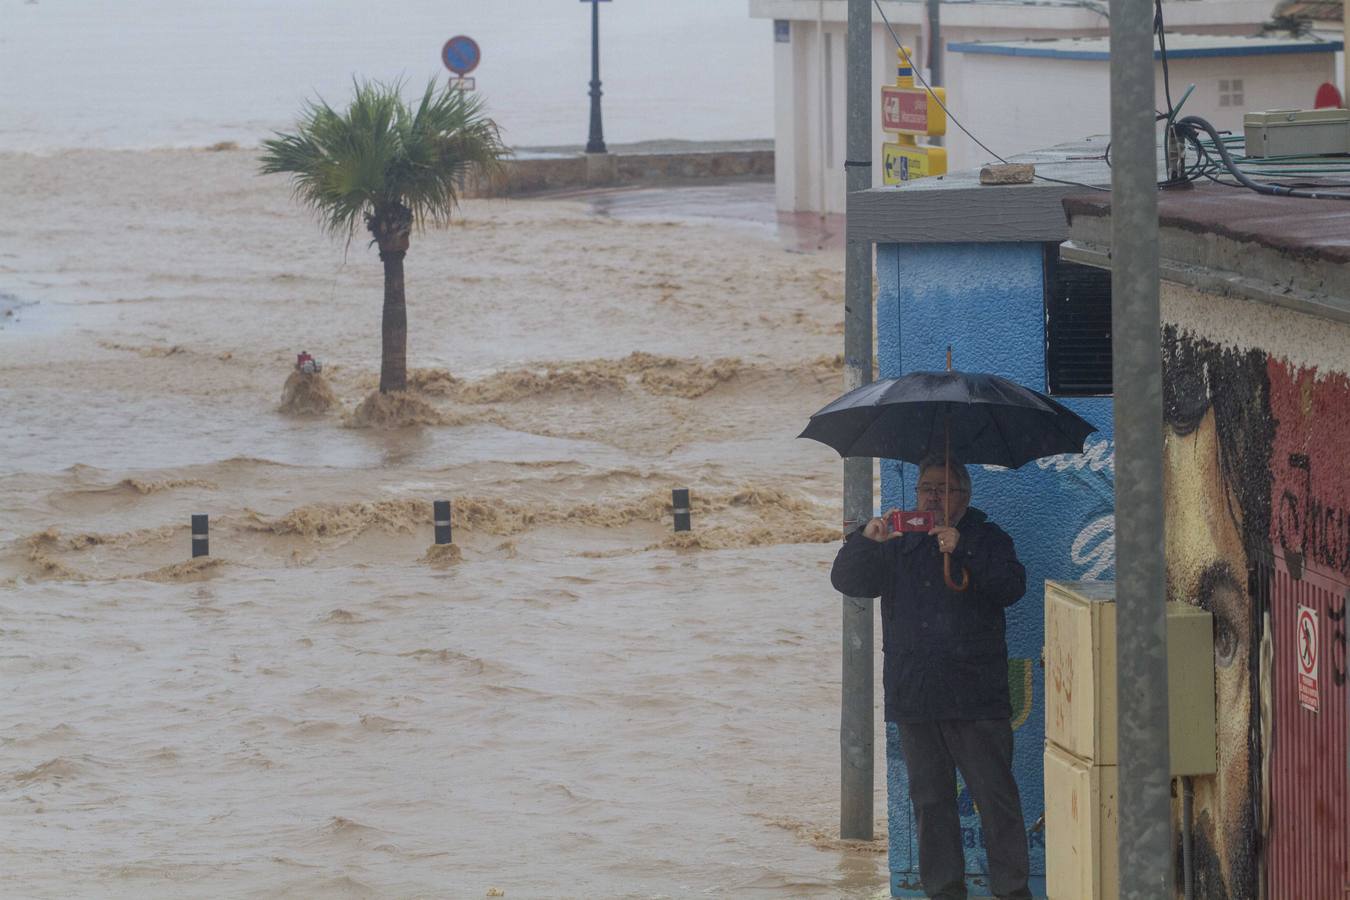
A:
{"points": [[1308, 853]]}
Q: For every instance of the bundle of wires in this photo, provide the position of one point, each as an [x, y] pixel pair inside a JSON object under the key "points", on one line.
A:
{"points": [[1208, 143], [1212, 158]]}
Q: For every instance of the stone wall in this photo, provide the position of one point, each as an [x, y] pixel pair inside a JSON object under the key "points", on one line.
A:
{"points": [[528, 176]]}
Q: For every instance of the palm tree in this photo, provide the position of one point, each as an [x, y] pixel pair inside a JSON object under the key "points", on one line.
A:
{"points": [[392, 167]]}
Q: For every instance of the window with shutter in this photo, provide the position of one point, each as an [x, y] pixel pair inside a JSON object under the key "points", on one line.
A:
{"points": [[1077, 327]]}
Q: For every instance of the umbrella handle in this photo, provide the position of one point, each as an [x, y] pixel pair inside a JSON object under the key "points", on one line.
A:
{"points": [[947, 574]]}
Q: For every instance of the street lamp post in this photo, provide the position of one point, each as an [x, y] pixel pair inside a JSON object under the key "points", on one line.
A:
{"points": [[596, 142]]}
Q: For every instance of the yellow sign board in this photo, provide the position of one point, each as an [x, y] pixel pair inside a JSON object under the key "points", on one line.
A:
{"points": [[913, 111], [901, 163]]}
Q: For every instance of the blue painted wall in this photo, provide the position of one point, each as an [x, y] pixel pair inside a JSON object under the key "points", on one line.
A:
{"points": [[987, 302]]}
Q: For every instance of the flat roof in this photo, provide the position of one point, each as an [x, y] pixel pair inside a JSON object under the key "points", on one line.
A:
{"points": [[1286, 251], [1304, 229], [956, 208], [1179, 46]]}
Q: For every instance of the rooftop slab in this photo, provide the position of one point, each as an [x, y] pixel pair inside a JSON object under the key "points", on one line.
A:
{"points": [[956, 208], [1285, 251], [1179, 46], [1304, 229]]}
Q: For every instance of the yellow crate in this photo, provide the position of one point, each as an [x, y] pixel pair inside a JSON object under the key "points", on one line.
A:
{"points": [[1080, 677], [1080, 828]]}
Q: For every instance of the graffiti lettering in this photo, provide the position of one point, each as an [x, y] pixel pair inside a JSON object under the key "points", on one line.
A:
{"points": [[1289, 516], [1095, 547], [1096, 456], [1319, 531]]}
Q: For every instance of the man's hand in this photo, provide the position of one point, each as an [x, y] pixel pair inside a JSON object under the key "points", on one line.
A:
{"points": [[878, 530], [947, 537]]}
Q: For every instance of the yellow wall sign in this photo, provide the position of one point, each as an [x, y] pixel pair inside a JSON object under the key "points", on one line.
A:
{"points": [[912, 111], [908, 112], [901, 163]]}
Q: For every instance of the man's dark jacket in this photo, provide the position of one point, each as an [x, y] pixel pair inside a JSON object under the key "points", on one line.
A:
{"points": [[946, 656]]}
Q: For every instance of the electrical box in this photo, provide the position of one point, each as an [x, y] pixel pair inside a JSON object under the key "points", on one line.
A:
{"points": [[1080, 677], [1297, 132], [1081, 828]]}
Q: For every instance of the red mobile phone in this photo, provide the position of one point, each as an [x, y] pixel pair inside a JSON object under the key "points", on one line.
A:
{"points": [[904, 520]]}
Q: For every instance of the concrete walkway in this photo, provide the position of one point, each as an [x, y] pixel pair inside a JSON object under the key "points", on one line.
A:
{"points": [[744, 201]]}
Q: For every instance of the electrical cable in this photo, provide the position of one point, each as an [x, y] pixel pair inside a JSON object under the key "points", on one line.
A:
{"points": [[1185, 129], [1190, 123], [1162, 49], [915, 69], [1170, 134]]}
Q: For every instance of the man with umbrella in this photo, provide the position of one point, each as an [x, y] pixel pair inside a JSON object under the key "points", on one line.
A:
{"points": [[946, 674], [946, 655]]}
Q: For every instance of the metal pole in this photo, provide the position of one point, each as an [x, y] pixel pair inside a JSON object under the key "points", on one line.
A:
{"points": [[855, 722], [596, 142], [679, 502], [826, 126], [201, 543], [440, 521], [1146, 863], [1187, 843], [935, 54]]}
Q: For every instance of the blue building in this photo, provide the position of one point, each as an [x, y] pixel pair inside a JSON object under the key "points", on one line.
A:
{"points": [[978, 267]]}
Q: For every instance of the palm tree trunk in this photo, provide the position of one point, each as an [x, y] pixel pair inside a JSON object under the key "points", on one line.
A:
{"points": [[394, 326]]}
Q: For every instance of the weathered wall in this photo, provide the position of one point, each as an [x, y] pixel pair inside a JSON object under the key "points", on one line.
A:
{"points": [[1257, 419], [1010, 113], [986, 300], [1256, 496], [523, 176]]}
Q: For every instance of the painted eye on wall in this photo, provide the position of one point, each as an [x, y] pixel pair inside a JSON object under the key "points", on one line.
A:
{"points": [[1225, 642]]}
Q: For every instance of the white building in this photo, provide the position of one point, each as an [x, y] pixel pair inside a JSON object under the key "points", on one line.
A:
{"points": [[1042, 93], [810, 74]]}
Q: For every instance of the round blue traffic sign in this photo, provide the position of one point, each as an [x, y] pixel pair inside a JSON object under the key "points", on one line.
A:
{"points": [[461, 54]]}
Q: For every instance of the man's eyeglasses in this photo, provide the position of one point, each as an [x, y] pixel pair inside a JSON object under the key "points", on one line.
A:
{"points": [[940, 488]]}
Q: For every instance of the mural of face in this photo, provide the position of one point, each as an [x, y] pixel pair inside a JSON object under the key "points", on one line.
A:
{"points": [[1207, 567], [1217, 506]]}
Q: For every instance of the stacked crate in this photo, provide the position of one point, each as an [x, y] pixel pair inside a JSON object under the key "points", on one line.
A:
{"points": [[1080, 728]]}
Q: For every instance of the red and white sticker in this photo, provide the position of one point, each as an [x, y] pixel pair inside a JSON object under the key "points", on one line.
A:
{"points": [[1306, 646]]}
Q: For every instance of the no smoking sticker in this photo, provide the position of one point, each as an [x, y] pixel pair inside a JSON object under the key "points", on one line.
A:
{"points": [[1306, 644]]}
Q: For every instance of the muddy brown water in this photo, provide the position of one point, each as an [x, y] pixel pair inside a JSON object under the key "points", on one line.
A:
{"points": [[576, 702]]}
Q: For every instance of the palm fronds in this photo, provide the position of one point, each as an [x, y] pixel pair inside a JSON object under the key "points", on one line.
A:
{"points": [[381, 152]]}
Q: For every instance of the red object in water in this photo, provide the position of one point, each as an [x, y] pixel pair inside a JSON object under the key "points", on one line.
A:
{"points": [[1327, 97], [902, 521], [301, 359]]}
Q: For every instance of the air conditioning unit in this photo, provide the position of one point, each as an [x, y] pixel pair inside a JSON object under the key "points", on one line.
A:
{"points": [[1297, 132]]}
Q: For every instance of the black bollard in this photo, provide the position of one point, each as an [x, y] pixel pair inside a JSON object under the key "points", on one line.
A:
{"points": [[441, 516], [679, 498], [200, 545]]}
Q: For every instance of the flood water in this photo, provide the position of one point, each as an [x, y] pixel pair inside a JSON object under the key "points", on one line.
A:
{"points": [[575, 702]]}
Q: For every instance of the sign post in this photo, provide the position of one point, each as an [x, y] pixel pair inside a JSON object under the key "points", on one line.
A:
{"points": [[461, 56], [908, 112], [1306, 642]]}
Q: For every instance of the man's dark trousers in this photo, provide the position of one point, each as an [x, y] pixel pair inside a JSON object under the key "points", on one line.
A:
{"points": [[982, 749]]}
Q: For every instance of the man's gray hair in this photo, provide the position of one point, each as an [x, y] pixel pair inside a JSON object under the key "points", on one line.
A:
{"points": [[958, 471]]}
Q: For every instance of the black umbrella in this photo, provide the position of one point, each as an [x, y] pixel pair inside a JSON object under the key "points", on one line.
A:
{"points": [[976, 418], [986, 419]]}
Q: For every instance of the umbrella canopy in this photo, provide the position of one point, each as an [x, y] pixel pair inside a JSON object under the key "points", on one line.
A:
{"points": [[977, 418]]}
